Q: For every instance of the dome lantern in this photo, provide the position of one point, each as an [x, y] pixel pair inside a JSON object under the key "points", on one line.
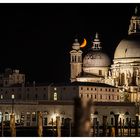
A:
{"points": [[96, 43], [76, 45], [134, 26]]}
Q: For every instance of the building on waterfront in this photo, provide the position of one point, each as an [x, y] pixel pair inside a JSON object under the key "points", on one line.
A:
{"points": [[113, 89], [96, 66]]}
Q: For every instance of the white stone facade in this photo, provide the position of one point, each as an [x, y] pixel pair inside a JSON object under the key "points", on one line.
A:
{"points": [[124, 73]]}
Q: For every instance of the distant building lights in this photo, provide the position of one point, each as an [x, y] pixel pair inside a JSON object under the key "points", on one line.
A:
{"points": [[13, 96], [55, 96], [1, 96]]}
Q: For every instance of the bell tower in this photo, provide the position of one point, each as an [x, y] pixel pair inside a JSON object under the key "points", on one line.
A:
{"points": [[75, 61], [134, 26]]}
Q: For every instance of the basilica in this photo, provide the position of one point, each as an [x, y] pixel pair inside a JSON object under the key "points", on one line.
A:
{"points": [[114, 89], [96, 65]]}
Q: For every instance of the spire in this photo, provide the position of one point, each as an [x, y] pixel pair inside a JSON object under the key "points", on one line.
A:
{"points": [[134, 26], [96, 43], [96, 36], [136, 10]]}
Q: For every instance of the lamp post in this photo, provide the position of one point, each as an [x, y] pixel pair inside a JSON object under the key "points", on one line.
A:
{"points": [[12, 119], [2, 126], [2, 133], [13, 97]]}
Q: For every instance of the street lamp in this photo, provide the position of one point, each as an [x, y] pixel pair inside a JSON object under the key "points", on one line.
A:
{"points": [[13, 97], [12, 119]]}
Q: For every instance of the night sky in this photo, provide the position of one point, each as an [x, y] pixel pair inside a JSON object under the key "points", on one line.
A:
{"points": [[37, 38]]}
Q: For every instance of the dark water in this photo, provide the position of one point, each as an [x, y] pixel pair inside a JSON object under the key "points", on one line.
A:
{"points": [[32, 132]]}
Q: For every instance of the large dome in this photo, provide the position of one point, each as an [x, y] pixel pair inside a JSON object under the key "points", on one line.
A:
{"points": [[96, 59], [128, 47]]}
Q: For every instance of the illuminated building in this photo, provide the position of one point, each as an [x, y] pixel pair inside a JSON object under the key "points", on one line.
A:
{"points": [[124, 73], [114, 89]]}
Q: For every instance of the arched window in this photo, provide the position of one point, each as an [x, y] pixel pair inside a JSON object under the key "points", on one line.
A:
{"points": [[122, 79], [96, 113], [75, 59], [72, 58], [127, 113], [33, 116], [111, 113], [55, 96], [6, 116]]}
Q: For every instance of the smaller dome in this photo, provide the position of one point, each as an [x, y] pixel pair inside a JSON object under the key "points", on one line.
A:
{"points": [[96, 59]]}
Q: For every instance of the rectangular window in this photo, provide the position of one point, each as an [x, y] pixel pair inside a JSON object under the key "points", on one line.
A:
{"points": [[112, 97], [44, 96], [94, 121], [45, 121], [28, 116], [34, 116], [95, 96], [63, 120], [100, 96], [22, 118], [100, 72]]}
